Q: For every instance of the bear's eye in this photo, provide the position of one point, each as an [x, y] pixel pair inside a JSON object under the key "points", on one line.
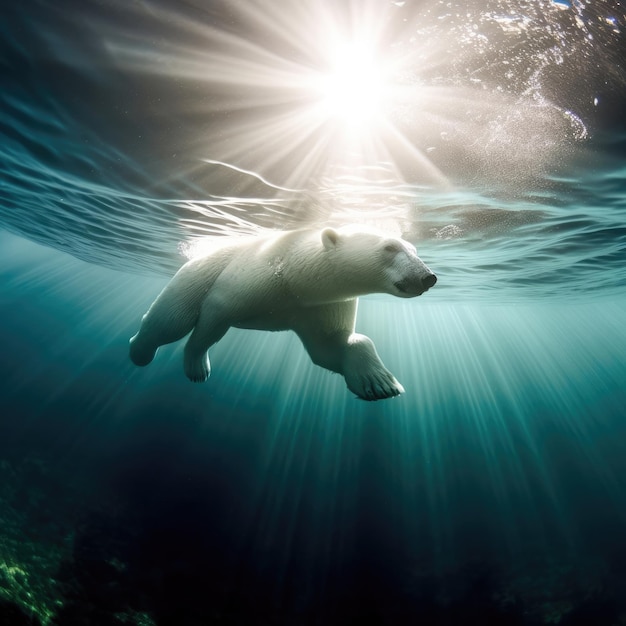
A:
{"points": [[392, 247]]}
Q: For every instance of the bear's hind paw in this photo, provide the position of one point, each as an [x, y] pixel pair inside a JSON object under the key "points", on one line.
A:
{"points": [[140, 354]]}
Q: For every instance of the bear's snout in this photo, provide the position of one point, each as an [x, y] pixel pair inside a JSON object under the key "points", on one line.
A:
{"points": [[429, 281], [415, 286]]}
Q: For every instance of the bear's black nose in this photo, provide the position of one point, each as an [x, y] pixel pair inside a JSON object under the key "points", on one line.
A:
{"points": [[429, 281]]}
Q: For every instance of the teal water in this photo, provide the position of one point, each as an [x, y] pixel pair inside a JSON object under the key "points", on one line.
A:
{"points": [[491, 492]]}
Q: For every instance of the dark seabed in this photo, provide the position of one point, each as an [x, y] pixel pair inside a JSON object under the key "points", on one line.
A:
{"points": [[490, 134]]}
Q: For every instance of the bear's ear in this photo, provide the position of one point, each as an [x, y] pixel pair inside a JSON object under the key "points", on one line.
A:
{"points": [[330, 237]]}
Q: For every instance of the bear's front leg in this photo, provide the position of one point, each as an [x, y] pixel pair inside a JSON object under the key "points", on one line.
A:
{"points": [[365, 374], [327, 333]]}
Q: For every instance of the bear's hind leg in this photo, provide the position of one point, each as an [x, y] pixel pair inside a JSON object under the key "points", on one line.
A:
{"points": [[159, 326]]}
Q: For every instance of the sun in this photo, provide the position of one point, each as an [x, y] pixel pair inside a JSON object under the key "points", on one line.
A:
{"points": [[354, 88]]}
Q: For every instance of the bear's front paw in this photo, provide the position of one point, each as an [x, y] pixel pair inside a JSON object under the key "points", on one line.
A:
{"points": [[197, 369], [375, 384]]}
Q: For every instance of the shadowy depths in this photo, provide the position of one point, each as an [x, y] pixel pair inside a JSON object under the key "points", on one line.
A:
{"points": [[12, 615], [179, 545], [165, 560]]}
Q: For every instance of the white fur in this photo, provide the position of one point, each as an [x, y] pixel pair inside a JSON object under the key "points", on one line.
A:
{"points": [[303, 280]]}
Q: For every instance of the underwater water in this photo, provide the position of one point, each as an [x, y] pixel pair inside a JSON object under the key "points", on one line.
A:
{"points": [[489, 134]]}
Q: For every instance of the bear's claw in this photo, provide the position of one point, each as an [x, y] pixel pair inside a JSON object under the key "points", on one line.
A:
{"points": [[375, 385]]}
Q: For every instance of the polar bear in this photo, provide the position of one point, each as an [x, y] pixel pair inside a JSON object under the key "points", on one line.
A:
{"points": [[305, 280]]}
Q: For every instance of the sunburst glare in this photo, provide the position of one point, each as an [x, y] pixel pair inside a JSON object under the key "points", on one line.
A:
{"points": [[316, 87], [303, 92], [355, 87]]}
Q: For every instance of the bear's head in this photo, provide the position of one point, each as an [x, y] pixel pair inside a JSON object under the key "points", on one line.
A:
{"points": [[376, 263]]}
